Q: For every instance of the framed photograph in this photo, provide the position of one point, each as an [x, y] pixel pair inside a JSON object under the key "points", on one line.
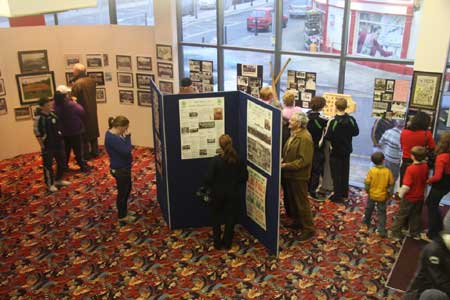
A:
{"points": [[70, 79], [425, 89], [33, 61], [100, 95], [143, 81], [249, 70], [390, 85], [165, 70], [99, 77], [94, 61], [2, 88], [123, 63], [3, 106], [72, 59], [105, 60], [164, 52], [144, 98], [126, 97], [144, 63], [34, 86], [108, 76], [125, 80], [166, 87], [35, 110], [22, 113], [380, 84]]}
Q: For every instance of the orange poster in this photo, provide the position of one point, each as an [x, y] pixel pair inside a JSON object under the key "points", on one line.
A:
{"points": [[401, 91]]}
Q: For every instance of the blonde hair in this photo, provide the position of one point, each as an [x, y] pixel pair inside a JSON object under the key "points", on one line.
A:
{"points": [[289, 98], [265, 93]]}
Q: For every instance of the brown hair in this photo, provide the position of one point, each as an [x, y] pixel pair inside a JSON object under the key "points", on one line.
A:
{"points": [[229, 153], [317, 103], [118, 121], [341, 104], [288, 98], [443, 145], [265, 93], [377, 158], [419, 152]]}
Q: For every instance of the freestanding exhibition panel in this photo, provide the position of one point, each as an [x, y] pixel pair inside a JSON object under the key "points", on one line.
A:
{"points": [[180, 178]]}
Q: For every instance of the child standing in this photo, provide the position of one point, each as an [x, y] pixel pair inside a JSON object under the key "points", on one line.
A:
{"points": [[412, 193], [379, 184]]}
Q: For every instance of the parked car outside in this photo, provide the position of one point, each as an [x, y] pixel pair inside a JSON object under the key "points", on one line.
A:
{"points": [[298, 8], [261, 19]]}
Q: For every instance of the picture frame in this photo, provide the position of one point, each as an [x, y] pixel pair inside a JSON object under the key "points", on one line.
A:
{"points": [[35, 109], [145, 98], [22, 113], [3, 106], [166, 87], [143, 81], [123, 63], [94, 61], [32, 87], [165, 70], [72, 59], [108, 76], [2, 87], [144, 63], [125, 80], [126, 97], [70, 79], [99, 77], [164, 52], [425, 89], [100, 95], [35, 61]]}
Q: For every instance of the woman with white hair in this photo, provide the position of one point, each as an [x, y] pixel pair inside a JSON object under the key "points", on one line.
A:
{"points": [[296, 171]]}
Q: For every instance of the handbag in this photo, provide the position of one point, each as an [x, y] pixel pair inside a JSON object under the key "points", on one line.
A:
{"points": [[204, 194]]}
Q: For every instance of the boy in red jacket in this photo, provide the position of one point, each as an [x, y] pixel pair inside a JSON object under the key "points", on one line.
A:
{"points": [[412, 194]]}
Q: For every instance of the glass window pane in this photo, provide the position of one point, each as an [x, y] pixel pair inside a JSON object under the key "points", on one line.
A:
{"points": [[200, 54], [241, 21], [232, 58], [49, 19], [359, 82], [135, 12], [384, 30], [313, 26], [443, 123], [199, 21], [4, 22], [94, 15]]}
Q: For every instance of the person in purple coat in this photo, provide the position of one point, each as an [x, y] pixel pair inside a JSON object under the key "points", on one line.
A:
{"points": [[71, 115]]}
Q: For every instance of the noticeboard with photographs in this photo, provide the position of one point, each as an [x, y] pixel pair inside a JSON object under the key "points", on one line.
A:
{"points": [[304, 83], [201, 74], [330, 107], [390, 95], [249, 79]]}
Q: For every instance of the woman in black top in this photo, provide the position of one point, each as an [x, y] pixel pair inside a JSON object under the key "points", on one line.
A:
{"points": [[226, 177]]}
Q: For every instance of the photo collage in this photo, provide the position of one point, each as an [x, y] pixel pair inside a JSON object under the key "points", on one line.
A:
{"points": [[249, 79], [304, 83], [164, 65], [390, 95], [201, 74]]}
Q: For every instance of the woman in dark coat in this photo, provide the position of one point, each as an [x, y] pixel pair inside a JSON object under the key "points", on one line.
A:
{"points": [[226, 178]]}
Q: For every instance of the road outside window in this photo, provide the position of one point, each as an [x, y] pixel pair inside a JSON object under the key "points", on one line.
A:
{"points": [[135, 12], [94, 15], [199, 21]]}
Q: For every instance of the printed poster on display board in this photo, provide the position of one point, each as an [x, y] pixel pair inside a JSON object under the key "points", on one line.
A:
{"points": [[249, 79], [259, 136], [201, 74], [201, 125], [330, 108], [304, 83], [256, 197], [390, 94]]}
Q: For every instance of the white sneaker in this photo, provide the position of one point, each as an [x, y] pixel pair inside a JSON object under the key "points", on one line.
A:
{"points": [[62, 183], [52, 188]]}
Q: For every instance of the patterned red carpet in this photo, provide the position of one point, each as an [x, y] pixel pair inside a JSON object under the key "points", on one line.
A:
{"points": [[67, 245]]}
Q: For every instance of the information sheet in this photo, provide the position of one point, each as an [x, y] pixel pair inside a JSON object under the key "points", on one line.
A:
{"points": [[201, 125], [256, 197]]}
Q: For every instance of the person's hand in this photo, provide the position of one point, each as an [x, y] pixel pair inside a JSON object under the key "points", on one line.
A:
{"points": [[396, 197], [283, 165]]}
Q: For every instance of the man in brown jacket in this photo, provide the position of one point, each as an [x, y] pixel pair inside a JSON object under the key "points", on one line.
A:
{"points": [[296, 171], [84, 89]]}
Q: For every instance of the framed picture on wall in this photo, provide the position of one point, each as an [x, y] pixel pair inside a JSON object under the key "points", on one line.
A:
{"points": [[33, 61], [126, 97], [94, 61], [125, 80], [34, 86], [165, 70], [143, 80], [164, 52], [2, 88], [144, 63], [3, 106], [100, 95], [35, 110], [99, 77], [22, 113], [105, 60], [123, 63], [70, 79], [144, 98], [425, 89], [72, 59], [166, 87]]}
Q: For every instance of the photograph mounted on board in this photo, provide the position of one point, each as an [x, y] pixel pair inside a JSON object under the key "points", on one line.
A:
{"points": [[166, 87], [123, 63], [34, 86], [126, 97], [70, 79], [98, 77], [425, 89], [144, 63], [33, 61], [72, 59], [94, 61], [100, 94], [143, 80], [144, 98], [22, 113], [35, 110], [164, 52], [125, 80], [3, 106], [165, 70], [2, 88]]}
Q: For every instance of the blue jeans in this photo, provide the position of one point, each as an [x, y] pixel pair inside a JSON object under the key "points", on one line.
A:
{"points": [[381, 213], [394, 167]]}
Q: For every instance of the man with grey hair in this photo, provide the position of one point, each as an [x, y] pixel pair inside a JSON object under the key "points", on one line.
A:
{"points": [[84, 89], [296, 171]]}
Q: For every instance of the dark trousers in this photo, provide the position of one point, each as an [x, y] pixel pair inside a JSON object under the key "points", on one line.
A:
{"points": [[90, 147], [381, 214], [317, 170], [123, 181], [299, 203], [75, 143], [47, 158], [286, 197], [434, 216], [406, 162], [340, 172], [411, 211], [225, 213]]}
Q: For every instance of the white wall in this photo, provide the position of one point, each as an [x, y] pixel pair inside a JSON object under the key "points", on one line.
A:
{"points": [[17, 136]]}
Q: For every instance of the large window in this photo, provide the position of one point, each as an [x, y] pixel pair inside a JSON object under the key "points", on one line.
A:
{"points": [[199, 21], [4, 22], [135, 12], [95, 15], [196, 53]]}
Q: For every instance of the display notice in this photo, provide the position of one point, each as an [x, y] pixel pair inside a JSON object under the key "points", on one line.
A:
{"points": [[330, 108], [201, 125], [304, 83], [249, 79], [390, 95], [201, 74], [256, 197], [259, 136]]}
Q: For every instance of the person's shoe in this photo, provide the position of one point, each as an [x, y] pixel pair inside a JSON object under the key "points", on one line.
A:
{"points": [[52, 188], [217, 245], [304, 236], [62, 183]]}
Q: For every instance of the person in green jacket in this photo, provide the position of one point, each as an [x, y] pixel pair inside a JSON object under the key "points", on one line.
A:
{"points": [[296, 171]]}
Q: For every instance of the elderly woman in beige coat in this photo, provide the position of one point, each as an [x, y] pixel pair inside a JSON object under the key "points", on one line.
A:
{"points": [[296, 171]]}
